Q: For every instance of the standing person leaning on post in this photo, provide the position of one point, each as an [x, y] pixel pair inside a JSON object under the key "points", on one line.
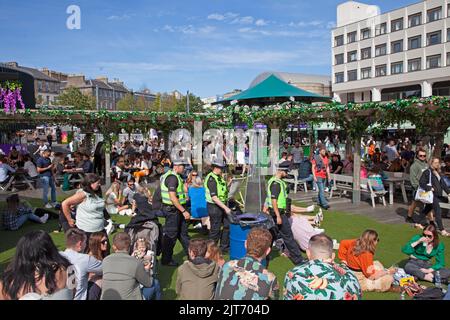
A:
{"points": [[173, 199], [216, 198], [277, 202], [321, 173]]}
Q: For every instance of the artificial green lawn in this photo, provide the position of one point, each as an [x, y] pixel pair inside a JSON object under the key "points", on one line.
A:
{"points": [[338, 225]]}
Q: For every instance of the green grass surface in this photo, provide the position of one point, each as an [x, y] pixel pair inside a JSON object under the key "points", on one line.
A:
{"points": [[338, 225]]}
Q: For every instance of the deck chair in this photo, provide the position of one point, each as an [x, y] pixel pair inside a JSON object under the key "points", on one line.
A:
{"points": [[296, 181], [236, 191]]}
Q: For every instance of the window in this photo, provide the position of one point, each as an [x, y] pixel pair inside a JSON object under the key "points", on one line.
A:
{"points": [[39, 85], [352, 75], [414, 42], [397, 46], [414, 65], [351, 37], [397, 25], [414, 20], [380, 50], [352, 56], [434, 61], [350, 97], [434, 38], [448, 59], [397, 67], [338, 41], [380, 71], [339, 58], [366, 53], [448, 34], [366, 73], [380, 29], [365, 33], [339, 77], [434, 14]]}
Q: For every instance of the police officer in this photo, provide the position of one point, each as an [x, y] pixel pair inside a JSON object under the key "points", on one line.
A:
{"points": [[216, 198], [173, 202], [278, 203]]}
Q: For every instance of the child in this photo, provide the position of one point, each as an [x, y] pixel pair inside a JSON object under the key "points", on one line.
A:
{"points": [[18, 213], [142, 252]]}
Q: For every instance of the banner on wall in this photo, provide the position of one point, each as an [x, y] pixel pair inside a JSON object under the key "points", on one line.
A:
{"points": [[6, 148]]}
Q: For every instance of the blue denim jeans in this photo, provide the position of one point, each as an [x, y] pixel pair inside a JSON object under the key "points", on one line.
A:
{"points": [[152, 293], [29, 216], [309, 179], [46, 183], [321, 186]]}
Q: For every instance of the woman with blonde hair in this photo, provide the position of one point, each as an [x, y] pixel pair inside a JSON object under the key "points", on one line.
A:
{"points": [[358, 255], [431, 180], [113, 201]]}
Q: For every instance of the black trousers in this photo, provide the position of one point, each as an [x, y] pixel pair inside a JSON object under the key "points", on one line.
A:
{"points": [[285, 231], [174, 228], [413, 267], [218, 217], [437, 212]]}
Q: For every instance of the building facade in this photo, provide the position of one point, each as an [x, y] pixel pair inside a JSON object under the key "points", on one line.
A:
{"points": [[397, 54]]}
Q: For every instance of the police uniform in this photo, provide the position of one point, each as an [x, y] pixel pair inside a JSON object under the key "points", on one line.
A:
{"points": [[175, 226], [277, 189], [215, 185]]}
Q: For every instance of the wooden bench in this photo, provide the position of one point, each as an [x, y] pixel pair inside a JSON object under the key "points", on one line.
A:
{"points": [[343, 183]]}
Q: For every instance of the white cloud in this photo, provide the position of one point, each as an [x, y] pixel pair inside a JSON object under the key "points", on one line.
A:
{"points": [[188, 29], [137, 67], [237, 57], [222, 17], [121, 17], [260, 23], [243, 20]]}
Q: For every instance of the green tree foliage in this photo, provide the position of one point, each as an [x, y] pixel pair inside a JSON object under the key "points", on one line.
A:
{"points": [[74, 97], [195, 104], [127, 103]]}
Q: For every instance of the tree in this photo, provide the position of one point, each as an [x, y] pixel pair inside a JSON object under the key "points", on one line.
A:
{"points": [[157, 102], [127, 103], [74, 97], [195, 104]]}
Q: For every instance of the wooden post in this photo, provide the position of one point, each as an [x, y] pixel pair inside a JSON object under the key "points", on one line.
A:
{"points": [[108, 144], [356, 197]]}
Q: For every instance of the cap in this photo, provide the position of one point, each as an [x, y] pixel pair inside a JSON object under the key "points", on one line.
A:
{"points": [[284, 166], [180, 162], [218, 164]]}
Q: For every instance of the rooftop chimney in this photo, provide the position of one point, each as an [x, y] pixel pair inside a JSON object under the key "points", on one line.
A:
{"points": [[102, 79]]}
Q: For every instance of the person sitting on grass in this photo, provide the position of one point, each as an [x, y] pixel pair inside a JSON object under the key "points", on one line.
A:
{"points": [[421, 249], [122, 274], [247, 278], [17, 213], [197, 277], [83, 263], [358, 255], [321, 278], [37, 271], [113, 203]]}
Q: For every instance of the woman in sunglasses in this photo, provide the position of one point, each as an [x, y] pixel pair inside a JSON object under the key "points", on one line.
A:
{"points": [[421, 249], [99, 249], [434, 175]]}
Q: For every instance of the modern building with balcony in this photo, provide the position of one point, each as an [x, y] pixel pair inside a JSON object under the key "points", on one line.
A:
{"points": [[398, 54]]}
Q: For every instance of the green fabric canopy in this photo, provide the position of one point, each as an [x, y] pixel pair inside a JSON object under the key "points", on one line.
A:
{"points": [[273, 87]]}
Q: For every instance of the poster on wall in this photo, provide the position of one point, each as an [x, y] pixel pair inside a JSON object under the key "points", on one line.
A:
{"points": [[64, 137]]}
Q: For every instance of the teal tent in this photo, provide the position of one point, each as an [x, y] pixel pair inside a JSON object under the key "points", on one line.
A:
{"points": [[273, 90]]}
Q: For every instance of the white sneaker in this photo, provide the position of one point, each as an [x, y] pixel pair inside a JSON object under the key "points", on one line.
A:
{"points": [[319, 230], [320, 214], [198, 226], [109, 228], [326, 189], [48, 206], [44, 218], [54, 204], [122, 226], [310, 208]]}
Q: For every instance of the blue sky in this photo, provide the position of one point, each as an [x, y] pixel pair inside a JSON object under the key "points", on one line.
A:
{"points": [[206, 46]]}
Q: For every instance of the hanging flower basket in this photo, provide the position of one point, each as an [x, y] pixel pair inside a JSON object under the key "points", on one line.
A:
{"points": [[10, 96]]}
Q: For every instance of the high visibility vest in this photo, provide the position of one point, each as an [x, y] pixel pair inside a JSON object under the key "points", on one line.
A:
{"points": [[281, 201], [165, 191], [222, 190]]}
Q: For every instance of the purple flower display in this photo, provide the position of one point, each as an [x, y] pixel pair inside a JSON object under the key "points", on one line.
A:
{"points": [[10, 96]]}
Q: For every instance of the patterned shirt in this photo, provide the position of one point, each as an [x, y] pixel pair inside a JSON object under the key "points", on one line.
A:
{"points": [[246, 279], [317, 280], [10, 219]]}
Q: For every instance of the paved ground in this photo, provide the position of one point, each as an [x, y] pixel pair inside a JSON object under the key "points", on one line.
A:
{"points": [[391, 214]]}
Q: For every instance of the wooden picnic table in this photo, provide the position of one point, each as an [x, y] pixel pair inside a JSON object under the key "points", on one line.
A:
{"points": [[396, 181]]}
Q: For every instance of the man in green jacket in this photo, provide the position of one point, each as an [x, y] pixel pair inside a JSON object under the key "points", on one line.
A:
{"points": [[417, 168]]}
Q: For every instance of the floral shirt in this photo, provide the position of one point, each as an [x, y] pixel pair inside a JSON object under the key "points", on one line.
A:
{"points": [[317, 280], [246, 279]]}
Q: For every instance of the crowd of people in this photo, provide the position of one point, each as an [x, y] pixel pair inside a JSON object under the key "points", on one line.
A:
{"points": [[92, 268]]}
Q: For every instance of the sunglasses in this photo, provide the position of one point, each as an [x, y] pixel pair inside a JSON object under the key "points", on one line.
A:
{"points": [[429, 236], [422, 155]]}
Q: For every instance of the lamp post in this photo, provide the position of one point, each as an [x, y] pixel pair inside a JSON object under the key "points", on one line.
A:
{"points": [[187, 102]]}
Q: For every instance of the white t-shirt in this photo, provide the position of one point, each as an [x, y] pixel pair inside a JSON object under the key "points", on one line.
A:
{"points": [[110, 205], [144, 165], [31, 169]]}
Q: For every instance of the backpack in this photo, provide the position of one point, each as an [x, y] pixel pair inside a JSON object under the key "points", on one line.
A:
{"points": [[431, 293], [319, 163]]}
